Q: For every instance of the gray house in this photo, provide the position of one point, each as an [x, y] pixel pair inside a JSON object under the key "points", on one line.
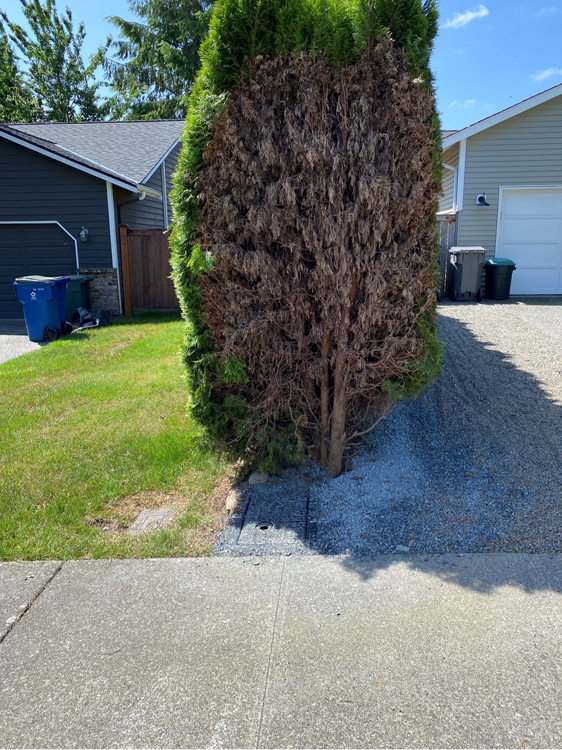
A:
{"points": [[513, 161], [58, 179]]}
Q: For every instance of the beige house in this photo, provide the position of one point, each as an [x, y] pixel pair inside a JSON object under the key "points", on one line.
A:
{"points": [[502, 189]]}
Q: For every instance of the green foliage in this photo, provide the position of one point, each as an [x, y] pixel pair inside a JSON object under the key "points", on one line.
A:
{"points": [[156, 58], [420, 372], [239, 31], [120, 388], [62, 87], [17, 103], [233, 371]]}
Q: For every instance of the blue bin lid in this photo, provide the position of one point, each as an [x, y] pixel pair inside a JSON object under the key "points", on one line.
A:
{"points": [[40, 279], [499, 262]]}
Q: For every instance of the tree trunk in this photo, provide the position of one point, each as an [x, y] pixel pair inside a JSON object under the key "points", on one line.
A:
{"points": [[338, 436], [339, 408], [325, 395]]}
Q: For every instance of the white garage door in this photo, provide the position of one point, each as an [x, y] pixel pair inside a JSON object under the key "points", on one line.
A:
{"points": [[530, 234]]}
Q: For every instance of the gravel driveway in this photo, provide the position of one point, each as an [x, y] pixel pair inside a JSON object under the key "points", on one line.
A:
{"points": [[471, 466], [13, 340], [474, 464]]}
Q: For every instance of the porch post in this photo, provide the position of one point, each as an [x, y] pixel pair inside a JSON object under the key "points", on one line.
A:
{"points": [[126, 268]]}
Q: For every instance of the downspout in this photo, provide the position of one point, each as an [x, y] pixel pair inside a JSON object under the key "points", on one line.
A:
{"points": [[140, 197]]}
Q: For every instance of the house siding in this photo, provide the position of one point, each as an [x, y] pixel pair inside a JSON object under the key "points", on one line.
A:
{"points": [[149, 213], [34, 187], [525, 150], [450, 157], [146, 214]]}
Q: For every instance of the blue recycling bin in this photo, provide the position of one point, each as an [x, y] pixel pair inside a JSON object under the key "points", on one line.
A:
{"points": [[42, 298]]}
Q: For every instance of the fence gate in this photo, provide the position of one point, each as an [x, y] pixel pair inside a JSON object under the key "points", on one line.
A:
{"points": [[145, 260], [447, 239]]}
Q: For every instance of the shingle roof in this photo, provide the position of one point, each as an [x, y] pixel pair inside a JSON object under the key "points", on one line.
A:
{"points": [[504, 114], [447, 133], [129, 149]]}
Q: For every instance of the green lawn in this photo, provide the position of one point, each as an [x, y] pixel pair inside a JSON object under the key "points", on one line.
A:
{"points": [[92, 429]]}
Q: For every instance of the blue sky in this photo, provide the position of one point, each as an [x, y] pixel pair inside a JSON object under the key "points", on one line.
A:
{"points": [[487, 56], [491, 55]]}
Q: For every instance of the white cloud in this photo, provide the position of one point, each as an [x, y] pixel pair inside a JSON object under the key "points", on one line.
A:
{"points": [[552, 10], [467, 104], [461, 19], [541, 75]]}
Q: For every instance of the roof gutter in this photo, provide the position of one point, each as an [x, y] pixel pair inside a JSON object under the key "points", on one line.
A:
{"points": [[502, 116], [144, 190]]}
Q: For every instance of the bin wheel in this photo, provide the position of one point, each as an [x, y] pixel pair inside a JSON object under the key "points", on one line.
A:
{"points": [[438, 296], [50, 334], [479, 295], [454, 294]]}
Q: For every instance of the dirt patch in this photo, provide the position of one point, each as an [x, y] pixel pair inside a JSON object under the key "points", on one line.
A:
{"points": [[133, 504], [113, 348], [107, 524], [200, 539], [121, 514], [201, 516]]}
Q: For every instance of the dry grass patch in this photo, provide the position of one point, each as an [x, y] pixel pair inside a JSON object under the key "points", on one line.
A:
{"points": [[119, 515]]}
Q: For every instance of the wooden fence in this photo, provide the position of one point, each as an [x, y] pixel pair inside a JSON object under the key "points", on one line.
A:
{"points": [[146, 269], [145, 264]]}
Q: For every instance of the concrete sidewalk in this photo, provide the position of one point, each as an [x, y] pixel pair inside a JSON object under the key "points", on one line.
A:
{"points": [[451, 651]]}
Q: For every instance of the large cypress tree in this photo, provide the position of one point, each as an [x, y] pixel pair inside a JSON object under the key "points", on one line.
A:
{"points": [[304, 238]]}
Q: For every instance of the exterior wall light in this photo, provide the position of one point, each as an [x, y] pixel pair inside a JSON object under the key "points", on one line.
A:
{"points": [[84, 234], [481, 200]]}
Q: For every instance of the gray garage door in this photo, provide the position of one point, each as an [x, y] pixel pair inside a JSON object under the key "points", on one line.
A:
{"points": [[31, 249]]}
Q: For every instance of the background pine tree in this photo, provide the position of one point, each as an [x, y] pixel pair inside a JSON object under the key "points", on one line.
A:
{"points": [[154, 62]]}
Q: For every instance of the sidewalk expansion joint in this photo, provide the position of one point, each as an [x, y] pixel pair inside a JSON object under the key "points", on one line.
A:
{"points": [[28, 606], [270, 658]]}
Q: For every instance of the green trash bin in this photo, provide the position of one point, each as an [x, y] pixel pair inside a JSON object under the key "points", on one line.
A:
{"points": [[498, 277], [77, 295]]}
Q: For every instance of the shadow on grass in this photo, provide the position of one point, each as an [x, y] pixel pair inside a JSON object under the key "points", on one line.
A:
{"points": [[144, 318], [16, 327], [137, 319]]}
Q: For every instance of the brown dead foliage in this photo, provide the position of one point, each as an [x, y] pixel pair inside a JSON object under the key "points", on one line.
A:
{"points": [[317, 204]]}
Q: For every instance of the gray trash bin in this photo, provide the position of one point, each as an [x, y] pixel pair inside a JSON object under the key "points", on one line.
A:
{"points": [[465, 266]]}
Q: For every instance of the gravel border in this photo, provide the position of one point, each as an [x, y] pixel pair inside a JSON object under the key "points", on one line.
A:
{"points": [[474, 464]]}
